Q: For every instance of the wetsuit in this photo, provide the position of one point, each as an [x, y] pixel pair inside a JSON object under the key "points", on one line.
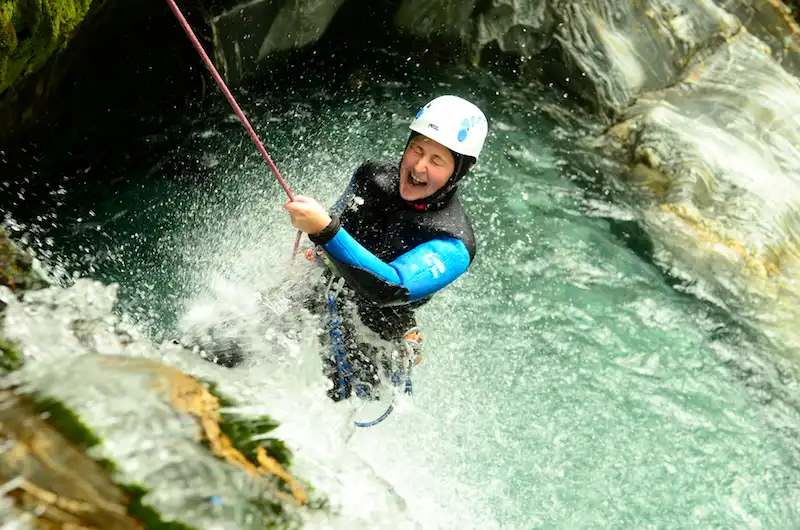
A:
{"points": [[392, 255]]}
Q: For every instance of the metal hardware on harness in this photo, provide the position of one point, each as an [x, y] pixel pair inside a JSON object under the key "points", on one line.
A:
{"points": [[344, 370]]}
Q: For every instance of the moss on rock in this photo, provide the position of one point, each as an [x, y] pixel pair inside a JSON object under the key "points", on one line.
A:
{"points": [[10, 358], [31, 31], [230, 439], [82, 437], [16, 267], [47, 472], [246, 435], [242, 431]]}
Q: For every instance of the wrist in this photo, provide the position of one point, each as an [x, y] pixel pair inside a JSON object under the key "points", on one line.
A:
{"points": [[327, 233]]}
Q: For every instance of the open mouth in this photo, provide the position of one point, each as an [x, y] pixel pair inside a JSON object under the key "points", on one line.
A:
{"points": [[417, 183]]}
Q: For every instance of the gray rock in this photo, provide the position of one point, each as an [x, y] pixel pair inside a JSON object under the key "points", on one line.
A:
{"points": [[772, 22], [442, 18], [624, 49], [519, 27], [248, 33], [716, 163]]}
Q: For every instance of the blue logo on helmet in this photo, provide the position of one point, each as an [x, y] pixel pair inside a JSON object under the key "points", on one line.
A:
{"points": [[420, 111], [466, 125]]}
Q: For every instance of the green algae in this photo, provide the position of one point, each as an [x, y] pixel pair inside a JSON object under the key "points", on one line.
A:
{"points": [[243, 431], [16, 267], [82, 437], [246, 435], [10, 358], [31, 31]]}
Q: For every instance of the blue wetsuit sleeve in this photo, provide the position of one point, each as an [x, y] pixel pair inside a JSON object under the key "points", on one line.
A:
{"points": [[414, 275]]}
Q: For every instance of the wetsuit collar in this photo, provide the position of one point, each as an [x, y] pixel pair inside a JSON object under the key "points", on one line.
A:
{"points": [[437, 204]]}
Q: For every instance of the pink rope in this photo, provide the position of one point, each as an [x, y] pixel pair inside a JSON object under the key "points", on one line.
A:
{"points": [[236, 108]]}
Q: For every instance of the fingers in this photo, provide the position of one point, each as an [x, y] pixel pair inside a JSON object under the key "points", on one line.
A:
{"points": [[298, 209], [300, 200]]}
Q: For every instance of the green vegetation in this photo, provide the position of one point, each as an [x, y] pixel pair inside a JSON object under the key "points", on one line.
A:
{"points": [[31, 31]]}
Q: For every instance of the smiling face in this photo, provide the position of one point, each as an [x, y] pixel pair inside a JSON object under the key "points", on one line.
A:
{"points": [[425, 168]]}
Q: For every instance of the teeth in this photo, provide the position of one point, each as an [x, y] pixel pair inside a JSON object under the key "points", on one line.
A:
{"points": [[415, 179]]}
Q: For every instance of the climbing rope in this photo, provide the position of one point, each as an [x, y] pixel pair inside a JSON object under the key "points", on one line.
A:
{"points": [[343, 367], [222, 86]]}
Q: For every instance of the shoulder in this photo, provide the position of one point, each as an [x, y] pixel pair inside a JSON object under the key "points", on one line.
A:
{"points": [[453, 220], [376, 177], [371, 169]]}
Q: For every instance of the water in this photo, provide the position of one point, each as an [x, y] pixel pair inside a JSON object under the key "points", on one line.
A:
{"points": [[566, 382]]}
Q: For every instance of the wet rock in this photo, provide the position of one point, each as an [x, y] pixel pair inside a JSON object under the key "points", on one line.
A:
{"points": [[170, 446], [248, 33], [33, 37], [715, 162], [19, 270], [173, 455], [619, 50], [51, 481], [31, 32], [774, 24]]}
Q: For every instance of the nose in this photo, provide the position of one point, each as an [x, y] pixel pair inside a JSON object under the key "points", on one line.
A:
{"points": [[421, 165]]}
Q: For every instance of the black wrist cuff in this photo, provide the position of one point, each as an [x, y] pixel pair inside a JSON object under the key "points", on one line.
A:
{"points": [[327, 233]]}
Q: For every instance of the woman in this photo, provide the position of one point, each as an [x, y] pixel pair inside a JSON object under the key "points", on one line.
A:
{"points": [[398, 235]]}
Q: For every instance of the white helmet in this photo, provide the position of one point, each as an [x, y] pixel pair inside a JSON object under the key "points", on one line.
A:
{"points": [[453, 122]]}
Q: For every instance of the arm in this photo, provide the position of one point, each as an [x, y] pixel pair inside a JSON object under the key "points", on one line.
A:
{"points": [[416, 274]]}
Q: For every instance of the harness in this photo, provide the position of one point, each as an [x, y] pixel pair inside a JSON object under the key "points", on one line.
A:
{"points": [[400, 375]]}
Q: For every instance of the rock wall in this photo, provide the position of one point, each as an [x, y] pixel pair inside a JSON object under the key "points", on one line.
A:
{"points": [[247, 34], [32, 33], [715, 163], [609, 52], [78, 64], [702, 104]]}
